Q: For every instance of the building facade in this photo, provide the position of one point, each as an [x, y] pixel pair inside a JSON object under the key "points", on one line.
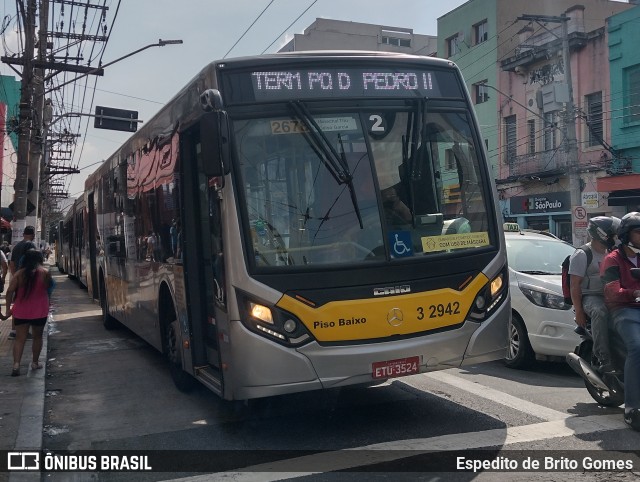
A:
{"points": [[9, 107], [327, 34], [511, 53], [621, 186]]}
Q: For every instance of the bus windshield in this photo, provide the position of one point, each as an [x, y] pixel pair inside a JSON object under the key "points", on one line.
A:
{"points": [[361, 185]]}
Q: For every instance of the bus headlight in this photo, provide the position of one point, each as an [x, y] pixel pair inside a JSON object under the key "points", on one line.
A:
{"points": [[272, 322], [496, 285], [490, 297], [261, 312]]}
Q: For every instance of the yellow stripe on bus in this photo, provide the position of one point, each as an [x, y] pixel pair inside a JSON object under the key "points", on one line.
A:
{"points": [[387, 316]]}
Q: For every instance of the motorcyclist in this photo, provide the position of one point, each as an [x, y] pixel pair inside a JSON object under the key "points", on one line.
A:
{"points": [[587, 289], [622, 296]]}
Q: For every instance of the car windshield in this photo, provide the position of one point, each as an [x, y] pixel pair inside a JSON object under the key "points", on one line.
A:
{"points": [[537, 255], [359, 185]]}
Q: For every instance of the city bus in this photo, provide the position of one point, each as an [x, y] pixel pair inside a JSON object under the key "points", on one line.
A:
{"points": [[303, 221], [70, 256]]}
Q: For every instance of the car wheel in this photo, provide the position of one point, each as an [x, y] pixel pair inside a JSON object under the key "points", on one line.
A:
{"points": [[519, 352]]}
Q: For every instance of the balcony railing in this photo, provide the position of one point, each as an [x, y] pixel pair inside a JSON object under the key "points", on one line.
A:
{"points": [[538, 163]]}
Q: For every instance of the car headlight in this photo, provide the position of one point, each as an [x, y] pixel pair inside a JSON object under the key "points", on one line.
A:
{"points": [[544, 299]]}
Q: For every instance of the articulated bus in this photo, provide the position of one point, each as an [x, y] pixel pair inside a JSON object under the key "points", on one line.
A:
{"points": [[302, 221]]}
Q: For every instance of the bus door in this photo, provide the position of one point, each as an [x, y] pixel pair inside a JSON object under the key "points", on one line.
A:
{"points": [[202, 256], [93, 271]]}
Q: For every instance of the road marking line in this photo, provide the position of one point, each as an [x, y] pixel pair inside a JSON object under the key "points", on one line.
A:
{"points": [[497, 396], [396, 450], [75, 315]]}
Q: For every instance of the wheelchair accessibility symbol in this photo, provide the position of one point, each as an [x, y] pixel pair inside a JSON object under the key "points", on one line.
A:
{"points": [[400, 242]]}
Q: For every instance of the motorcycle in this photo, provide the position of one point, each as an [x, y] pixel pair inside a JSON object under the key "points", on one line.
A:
{"points": [[605, 388]]}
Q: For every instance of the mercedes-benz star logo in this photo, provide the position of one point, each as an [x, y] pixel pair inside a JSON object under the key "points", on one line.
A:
{"points": [[395, 317]]}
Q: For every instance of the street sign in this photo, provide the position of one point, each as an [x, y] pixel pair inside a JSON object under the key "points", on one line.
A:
{"points": [[579, 212], [591, 200], [116, 119]]}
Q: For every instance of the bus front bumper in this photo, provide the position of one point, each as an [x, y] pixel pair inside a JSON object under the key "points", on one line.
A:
{"points": [[276, 370]]}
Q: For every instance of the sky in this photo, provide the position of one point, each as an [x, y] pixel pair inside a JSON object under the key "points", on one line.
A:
{"points": [[208, 29]]}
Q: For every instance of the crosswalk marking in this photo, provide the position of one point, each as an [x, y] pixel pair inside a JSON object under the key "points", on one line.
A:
{"points": [[557, 425], [390, 451], [497, 396]]}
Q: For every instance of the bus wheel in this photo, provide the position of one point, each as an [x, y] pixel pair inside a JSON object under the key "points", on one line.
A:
{"points": [[108, 321], [182, 380]]}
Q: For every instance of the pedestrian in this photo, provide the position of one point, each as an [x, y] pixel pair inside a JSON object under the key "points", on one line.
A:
{"points": [[17, 253], [28, 292]]}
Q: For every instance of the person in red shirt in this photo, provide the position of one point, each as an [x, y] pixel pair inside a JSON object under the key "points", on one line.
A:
{"points": [[622, 296]]}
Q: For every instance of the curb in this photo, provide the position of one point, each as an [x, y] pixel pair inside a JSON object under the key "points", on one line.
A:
{"points": [[31, 423], [32, 411]]}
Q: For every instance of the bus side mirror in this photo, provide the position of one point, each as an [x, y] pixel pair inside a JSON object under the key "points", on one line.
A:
{"points": [[214, 143]]}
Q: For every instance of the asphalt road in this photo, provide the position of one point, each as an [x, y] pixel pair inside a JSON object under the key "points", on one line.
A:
{"points": [[109, 390]]}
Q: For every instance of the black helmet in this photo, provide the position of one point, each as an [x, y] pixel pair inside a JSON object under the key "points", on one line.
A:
{"points": [[603, 229], [629, 221]]}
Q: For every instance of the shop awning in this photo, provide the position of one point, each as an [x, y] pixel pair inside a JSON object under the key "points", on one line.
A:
{"points": [[624, 197], [618, 183]]}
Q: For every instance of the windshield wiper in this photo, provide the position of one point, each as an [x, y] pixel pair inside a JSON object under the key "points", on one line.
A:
{"points": [[320, 141], [336, 164], [352, 191]]}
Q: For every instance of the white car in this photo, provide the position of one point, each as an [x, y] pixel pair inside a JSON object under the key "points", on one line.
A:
{"points": [[542, 323]]}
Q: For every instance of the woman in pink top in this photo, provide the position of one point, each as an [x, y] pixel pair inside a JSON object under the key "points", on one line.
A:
{"points": [[29, 293]]}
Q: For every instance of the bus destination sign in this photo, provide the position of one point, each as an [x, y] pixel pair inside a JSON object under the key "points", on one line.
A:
{"points": [[340, 83]]}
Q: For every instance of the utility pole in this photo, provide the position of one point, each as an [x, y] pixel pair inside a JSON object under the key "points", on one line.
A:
{"points": [[36, 115], [33, 131], [39, 130], [24, 135], [571, 146]]}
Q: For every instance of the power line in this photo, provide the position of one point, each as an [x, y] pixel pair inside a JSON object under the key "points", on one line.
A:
{"points": [[285, 30], [248, 28]]}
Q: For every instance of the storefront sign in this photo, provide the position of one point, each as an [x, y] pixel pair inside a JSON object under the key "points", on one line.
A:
{"points": [[590, 200], [541, 203]]}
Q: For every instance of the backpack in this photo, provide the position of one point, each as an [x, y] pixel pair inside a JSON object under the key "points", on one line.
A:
{"points": [[566, 279]]}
